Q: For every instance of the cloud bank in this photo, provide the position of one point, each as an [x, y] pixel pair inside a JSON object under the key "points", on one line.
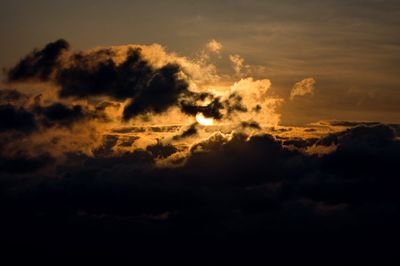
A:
{"points": [[111, 148]]}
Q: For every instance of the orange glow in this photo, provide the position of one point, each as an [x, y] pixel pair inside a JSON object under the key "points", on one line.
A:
{"points": [[201, 119]]}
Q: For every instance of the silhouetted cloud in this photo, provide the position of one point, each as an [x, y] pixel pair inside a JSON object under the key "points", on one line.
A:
{"points": [[250, 124], [212, 109], [39, 64], [161, 151], [16, 118], [82, 75], [238, 185], [58, 113], [12, 96], [188, 132]]}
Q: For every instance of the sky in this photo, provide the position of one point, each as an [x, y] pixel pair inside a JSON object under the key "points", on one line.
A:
{"points": [[351, 48], [140, 127]]}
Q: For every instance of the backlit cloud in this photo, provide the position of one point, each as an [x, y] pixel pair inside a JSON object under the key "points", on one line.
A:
{"points": [[137, 142]]}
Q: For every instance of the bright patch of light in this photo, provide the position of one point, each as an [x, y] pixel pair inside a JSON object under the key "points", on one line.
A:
{"points": [[201, 119]]}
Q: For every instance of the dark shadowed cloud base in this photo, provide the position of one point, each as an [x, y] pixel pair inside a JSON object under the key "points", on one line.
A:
{"points": [[240, 188]]}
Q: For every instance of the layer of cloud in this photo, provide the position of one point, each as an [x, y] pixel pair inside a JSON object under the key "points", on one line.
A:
{"points": [[231, 184]]}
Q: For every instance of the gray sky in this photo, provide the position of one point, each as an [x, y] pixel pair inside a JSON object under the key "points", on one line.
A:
{"points": [[351, 48]]}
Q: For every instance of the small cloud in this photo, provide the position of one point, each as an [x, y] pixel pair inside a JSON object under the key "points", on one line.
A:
{"points": [[238, 65], [214, 46], [304, 87]]}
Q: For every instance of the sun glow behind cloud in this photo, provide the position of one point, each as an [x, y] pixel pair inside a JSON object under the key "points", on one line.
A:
{"points": [[194, 101], [201, 119]]}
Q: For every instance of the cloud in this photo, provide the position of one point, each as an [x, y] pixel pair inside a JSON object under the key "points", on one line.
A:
{"points": [[255, 101], [12, 96], [237, 63], [304, 87], [113, 143], [39, 64], [126, 74], [250, 124], [96, 73], [161, 151], [24, 164], [251, 186], [214, 46], [110, 101], [162, 92], [38, 117], [14, 118], [187, 132], [58, 113]]}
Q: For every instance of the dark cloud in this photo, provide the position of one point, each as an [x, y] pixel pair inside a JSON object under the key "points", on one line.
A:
{"points": [[39, 64], [23, 164], [247, 187], [103, 105], [34, 118], [106, 149], [59, 114], [96, 73], [161, 151], [361, 136], [188, 132], [352, 123], [234, 104], [310, 130], [16, 118], [239, 162], [12, 96], [212, 109], [149, 89], [250, 124], [127, 141], [162, 92], [300, 143]]}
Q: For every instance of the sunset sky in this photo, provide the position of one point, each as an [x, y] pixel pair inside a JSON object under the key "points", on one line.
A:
{"points": [[351, 48], [128, 122]]}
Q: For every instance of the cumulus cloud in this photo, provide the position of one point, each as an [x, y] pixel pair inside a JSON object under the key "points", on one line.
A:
{"points": [[214, 46], [254, 96], [127, 74], [97, 74], [129, 96], [304, 87]]}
